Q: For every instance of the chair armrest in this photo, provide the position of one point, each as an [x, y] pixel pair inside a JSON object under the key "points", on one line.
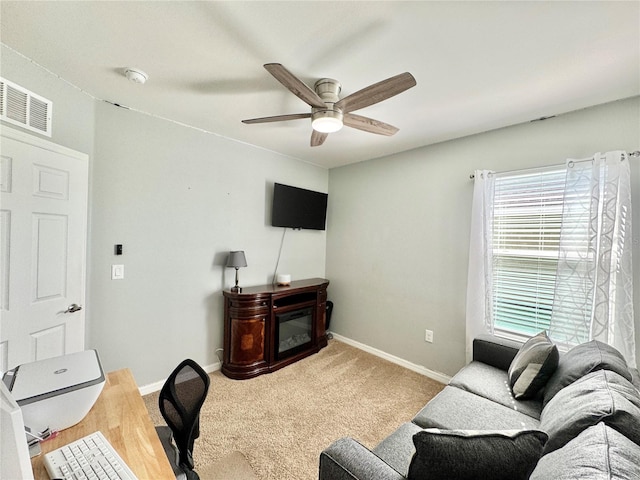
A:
{"points": [[346, 459], [166, 438], [495, 351]]}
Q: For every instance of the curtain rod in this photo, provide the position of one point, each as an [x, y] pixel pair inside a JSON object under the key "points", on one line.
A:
{"points": [[631, 154]]}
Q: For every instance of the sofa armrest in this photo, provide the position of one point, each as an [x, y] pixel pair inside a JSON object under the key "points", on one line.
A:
{"points": [[495, 351], [346, 459]]}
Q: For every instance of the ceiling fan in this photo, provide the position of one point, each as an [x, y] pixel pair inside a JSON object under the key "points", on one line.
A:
{"points": [[328, 111]]}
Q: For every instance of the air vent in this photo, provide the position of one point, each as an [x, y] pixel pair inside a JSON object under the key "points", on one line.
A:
{"points": [[24, 108]]}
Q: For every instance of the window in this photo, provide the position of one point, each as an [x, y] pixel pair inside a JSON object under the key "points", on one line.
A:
{"points": [[527, 220], [551, 250]]}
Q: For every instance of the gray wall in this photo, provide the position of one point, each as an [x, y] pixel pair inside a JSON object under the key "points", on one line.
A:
{"points": [[398, 232], [178, 199]]}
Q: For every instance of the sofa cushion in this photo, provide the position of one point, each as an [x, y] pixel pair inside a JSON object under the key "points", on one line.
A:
{"points": [[397, 449], [454, 408], [492, 383], [599, 396], [635, 377], [598, 453], [581, 360], [532, 366], [459, 454]]}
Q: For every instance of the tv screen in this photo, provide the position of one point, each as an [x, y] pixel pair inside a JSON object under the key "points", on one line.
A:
{"points": [[295, 207]]}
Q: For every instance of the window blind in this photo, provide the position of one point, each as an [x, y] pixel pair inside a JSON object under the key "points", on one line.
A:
{"points": [[527, 221]]}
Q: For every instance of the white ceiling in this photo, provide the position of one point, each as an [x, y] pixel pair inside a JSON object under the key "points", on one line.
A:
{"points": [[478, 65]]}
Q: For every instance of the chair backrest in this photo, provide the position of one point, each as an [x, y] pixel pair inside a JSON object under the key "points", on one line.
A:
{"points": [[180, 401]]}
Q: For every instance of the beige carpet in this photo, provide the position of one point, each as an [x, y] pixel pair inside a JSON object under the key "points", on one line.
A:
{"points": [[282, 421], [234, 466]]}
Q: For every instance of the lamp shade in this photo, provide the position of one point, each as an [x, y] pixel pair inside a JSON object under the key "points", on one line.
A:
{"points": [[236, 259]]}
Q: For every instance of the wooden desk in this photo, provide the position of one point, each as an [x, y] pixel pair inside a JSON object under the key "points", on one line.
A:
{"points": [[121, 415]]}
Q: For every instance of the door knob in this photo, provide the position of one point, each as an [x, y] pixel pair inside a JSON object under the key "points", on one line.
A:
{"points": [[74, 307]]}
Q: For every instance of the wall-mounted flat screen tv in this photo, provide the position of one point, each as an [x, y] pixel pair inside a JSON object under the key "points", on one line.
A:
{"points": [[295, 207]]}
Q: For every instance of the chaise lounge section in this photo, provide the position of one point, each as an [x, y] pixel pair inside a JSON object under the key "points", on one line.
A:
{"points": [[579, 419]]}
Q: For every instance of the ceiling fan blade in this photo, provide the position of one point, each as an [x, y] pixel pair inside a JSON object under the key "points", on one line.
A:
{"points": [[368, 124], [295, 85], [377, 92], [278, 118], [318, 138]]}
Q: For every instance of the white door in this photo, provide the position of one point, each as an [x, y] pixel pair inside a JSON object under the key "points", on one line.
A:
{"points": [[43, 229]]}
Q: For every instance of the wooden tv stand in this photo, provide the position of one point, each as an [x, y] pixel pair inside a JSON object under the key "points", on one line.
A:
{"points": [[253, 323]]}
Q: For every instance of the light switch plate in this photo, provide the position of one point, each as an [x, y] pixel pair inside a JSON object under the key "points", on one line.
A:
{"points": [[117, 272]]}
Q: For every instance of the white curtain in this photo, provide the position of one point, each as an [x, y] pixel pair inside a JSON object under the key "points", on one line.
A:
{"points": [[594, 286], [479, 313]]}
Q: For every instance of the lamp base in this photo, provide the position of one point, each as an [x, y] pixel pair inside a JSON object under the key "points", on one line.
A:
{"points": [[236, 289]]}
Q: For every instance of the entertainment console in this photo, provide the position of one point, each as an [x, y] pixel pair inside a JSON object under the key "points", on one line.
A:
{"points": [[269, 327]]}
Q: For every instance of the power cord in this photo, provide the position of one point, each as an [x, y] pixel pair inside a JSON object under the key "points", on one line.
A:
{"points": [[216, 352], [273, 282]]}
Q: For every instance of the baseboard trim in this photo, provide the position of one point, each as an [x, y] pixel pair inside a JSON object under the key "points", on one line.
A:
{"points": [[157, 386], [437, 376]]}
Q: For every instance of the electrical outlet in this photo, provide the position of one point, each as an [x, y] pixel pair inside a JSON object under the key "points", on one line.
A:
{"points": [[428, 336]]}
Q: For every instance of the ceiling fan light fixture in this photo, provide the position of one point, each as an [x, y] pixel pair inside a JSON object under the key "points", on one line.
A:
{"points": [[328, 109], [326, 121]]}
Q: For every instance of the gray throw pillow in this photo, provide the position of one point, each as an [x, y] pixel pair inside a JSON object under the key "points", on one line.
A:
{"points": [[598, 453], [581, 360], [473, 454], [532, 366], [599, 396]]}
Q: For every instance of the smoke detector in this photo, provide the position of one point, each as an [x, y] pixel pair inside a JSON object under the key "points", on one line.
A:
{"points": [[135, 75]]}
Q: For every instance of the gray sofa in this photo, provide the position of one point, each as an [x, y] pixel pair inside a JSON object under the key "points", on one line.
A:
{"points": [[584, 424]]}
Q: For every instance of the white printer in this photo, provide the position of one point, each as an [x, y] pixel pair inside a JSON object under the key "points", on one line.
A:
{"points": [[58, 392]]}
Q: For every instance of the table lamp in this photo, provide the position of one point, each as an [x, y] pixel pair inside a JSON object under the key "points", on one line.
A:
{"points": [[236, 260]]}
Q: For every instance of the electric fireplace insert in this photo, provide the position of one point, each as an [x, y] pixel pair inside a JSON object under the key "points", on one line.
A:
{"points": [[293, 332]]}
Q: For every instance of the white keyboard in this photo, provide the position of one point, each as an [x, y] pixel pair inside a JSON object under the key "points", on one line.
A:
{"points": [[88, 458]]}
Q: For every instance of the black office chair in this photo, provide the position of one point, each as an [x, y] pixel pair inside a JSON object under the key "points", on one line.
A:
{"points": [[180, 401]]}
